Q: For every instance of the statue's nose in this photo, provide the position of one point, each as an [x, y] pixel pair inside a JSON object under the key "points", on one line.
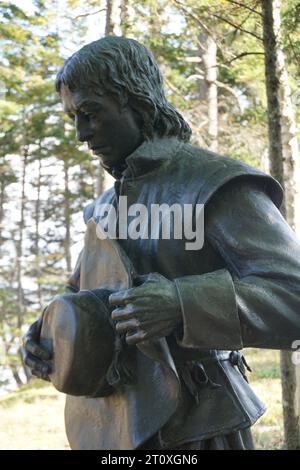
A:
{"points": [[83, 130], [83, 136]]}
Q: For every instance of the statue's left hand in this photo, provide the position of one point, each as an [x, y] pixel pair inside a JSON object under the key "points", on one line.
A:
{"points": [[149, 311], [35, 357]]}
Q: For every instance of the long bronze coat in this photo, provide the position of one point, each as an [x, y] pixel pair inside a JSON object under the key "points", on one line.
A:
{"points": [[240, 290]]}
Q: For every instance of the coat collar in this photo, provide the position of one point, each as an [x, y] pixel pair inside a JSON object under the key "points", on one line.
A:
{"points": [[149, 156]]}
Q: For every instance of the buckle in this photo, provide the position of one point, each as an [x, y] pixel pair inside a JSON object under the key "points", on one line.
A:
{"points": [[237, 359]]}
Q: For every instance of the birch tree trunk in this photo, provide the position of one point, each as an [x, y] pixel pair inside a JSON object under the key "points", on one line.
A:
{"points": [[278, 125], [289, 129], [100, 177], [37, 214], [127, 17], [114, 10], [67, 219], [210, 70], [19, 245], [2, 201], [272, 91], [208, 89], [290, 150], [113, 18]]}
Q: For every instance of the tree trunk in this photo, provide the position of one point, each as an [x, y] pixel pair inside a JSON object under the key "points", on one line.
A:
{"points": [[13, 367], [37, 232], [208, 87], [290, 150], [16, 376], [2, 200], [276, 126], [67, 218], [113, 18], [289, 129], [127, 17], [25, 368], [116, 11], [100, 177], [272, 90], [19, 245]]}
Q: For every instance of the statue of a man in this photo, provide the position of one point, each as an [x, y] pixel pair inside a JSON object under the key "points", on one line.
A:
{"points": [[190, 309]]}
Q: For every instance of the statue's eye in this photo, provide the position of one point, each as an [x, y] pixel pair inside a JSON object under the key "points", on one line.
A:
{"points": [[88, 114]]}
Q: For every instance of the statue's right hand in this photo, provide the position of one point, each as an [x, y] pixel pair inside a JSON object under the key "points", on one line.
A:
{"points": [[34, 355]]}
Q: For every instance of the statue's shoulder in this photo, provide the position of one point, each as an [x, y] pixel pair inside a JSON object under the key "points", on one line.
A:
{"points": [[209, 161], [213, 171], [104, 198]]}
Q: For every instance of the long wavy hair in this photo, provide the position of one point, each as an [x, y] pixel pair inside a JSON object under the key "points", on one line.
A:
{"points": [[126, 69]]}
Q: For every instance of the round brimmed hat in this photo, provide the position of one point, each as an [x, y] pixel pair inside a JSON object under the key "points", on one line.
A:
{"points": [[78, 332]]}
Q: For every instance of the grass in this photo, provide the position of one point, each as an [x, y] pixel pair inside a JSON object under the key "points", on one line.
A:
{"points": [[33, 416], [265, 381]]}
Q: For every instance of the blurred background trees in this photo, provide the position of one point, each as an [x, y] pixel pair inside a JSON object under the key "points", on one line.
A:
{"points": [[231, 67]]}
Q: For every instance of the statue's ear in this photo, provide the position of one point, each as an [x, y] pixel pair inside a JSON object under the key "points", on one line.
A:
{"points": [[123, 102], [136, 109]]}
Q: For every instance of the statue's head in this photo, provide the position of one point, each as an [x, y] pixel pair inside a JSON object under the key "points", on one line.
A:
{"points": [[120, 75]]}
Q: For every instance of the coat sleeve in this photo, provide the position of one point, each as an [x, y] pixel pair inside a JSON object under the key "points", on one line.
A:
{"points": [[255, 300]]}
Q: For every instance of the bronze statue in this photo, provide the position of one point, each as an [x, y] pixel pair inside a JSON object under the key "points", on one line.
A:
{"points": [[175, 319]]}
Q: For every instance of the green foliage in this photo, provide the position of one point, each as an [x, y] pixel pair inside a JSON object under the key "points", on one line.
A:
{"points": [[59, 174], [32, 136]]}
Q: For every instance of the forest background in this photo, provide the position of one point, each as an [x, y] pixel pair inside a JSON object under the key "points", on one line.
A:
{"points": [[230, 67]]}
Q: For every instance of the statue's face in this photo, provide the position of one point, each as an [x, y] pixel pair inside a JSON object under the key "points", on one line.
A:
{"points": [[111, 132]]}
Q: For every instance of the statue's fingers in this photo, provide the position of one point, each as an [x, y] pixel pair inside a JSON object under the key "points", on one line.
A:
{"points": [[36, 374], [34, 329], [123, 313], [36, 365], [140, 279], [126, 296], [40, 375], [118, 298], [36, 350], [126, 326], [135, 338], [46, 377]]}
